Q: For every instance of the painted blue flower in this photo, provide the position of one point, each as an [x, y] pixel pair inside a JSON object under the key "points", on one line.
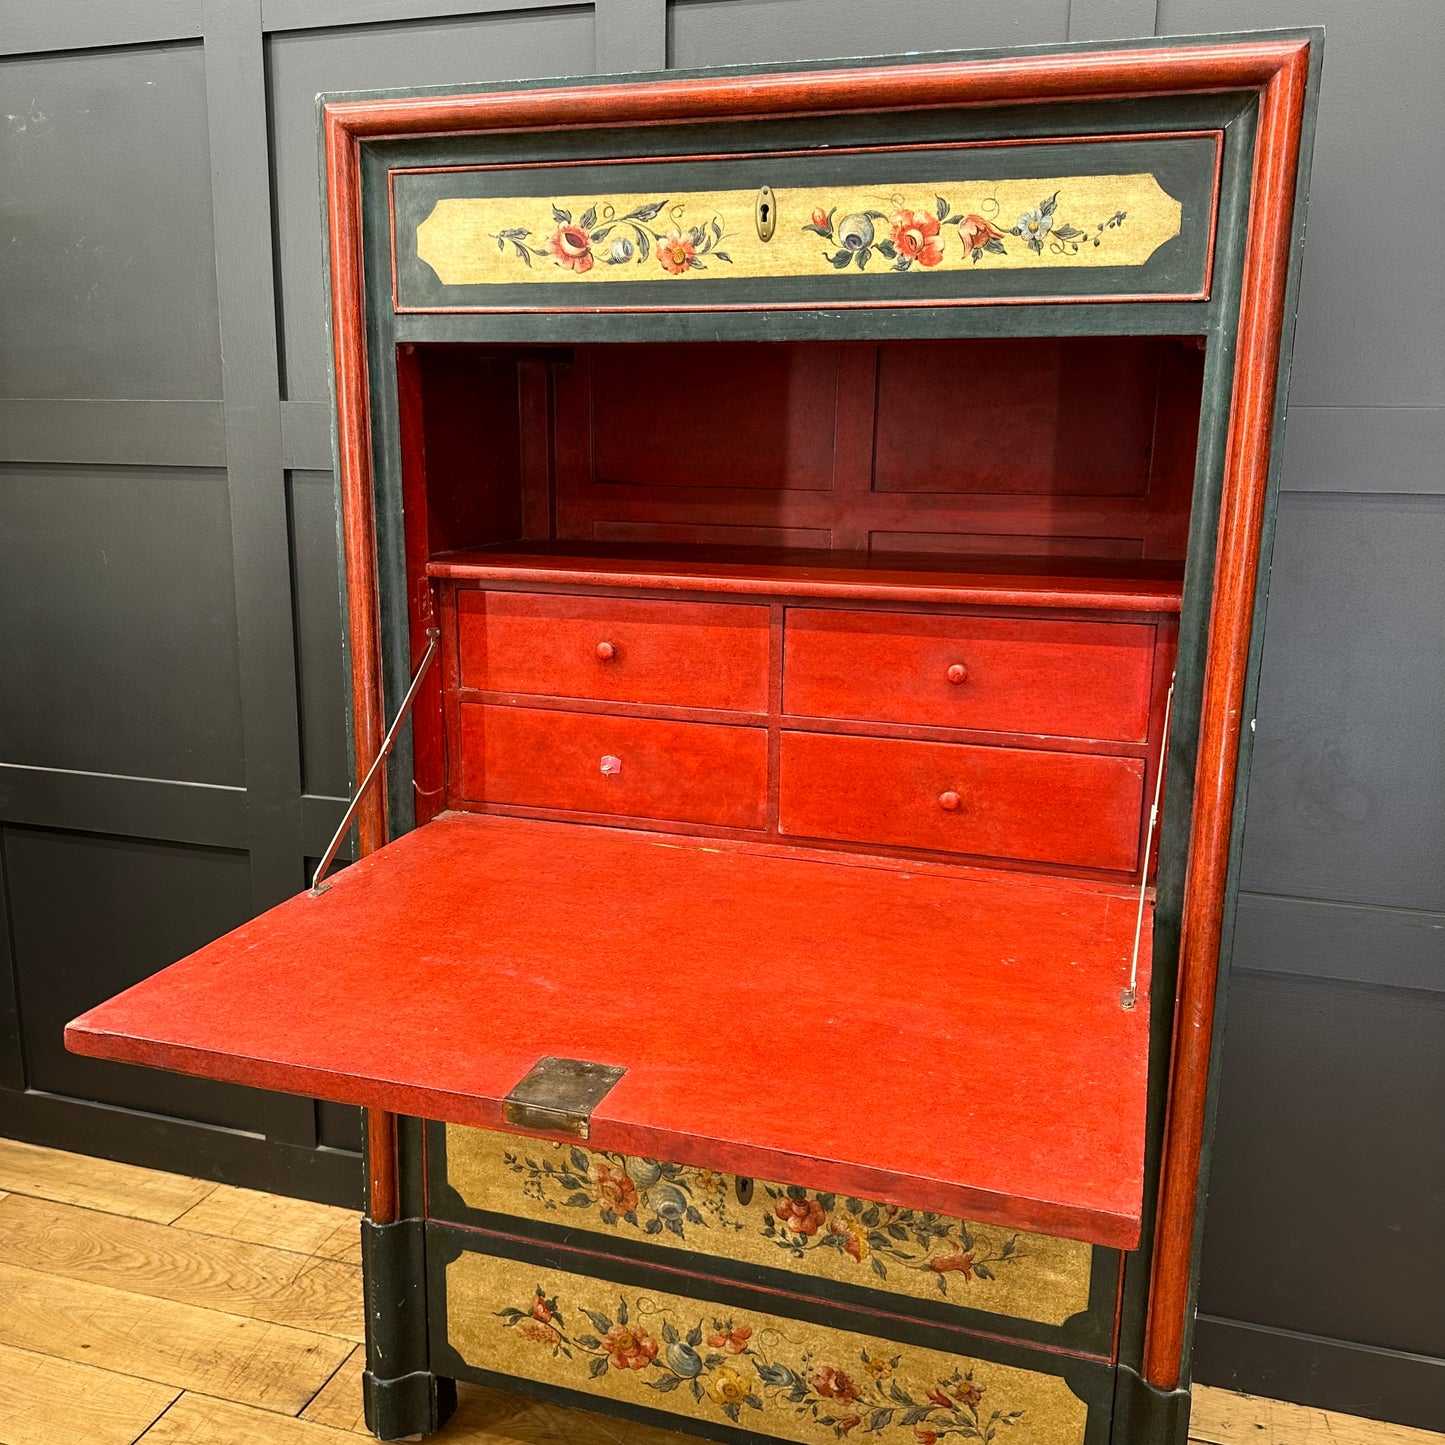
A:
{"points": [[620, 251], [855, 232], [1034, 226]]}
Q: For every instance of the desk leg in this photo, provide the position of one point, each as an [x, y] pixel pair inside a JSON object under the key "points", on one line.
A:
{"points": [[403, 1399]]}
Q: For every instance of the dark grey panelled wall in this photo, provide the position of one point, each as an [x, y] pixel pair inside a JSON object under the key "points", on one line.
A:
{"points": [[172, 741]]}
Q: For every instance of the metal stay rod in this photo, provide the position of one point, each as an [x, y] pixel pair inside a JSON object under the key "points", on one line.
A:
{"points": [[1130, 996], [387, 743]]}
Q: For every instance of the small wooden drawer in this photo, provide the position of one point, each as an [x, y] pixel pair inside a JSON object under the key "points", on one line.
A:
{"points": [[928, 1267], [630, 767], [616, 649], [1080, 809], [735, 1364], [1021, 675]]}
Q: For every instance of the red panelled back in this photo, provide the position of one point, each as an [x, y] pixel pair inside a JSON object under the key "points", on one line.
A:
{"points": [[1029, 446], [714, 416]]}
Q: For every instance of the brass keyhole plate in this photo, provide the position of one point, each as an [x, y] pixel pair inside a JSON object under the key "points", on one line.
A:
{"points": [[767, 213]]}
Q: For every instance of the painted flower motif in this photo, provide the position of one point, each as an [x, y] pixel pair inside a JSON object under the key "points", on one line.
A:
{"points": [[976, 235], [539, 1334], [706, 1181], [849, 1423], [968, 1394], [856, 1237], [734, 1340], [571, 247], [612, 1188], [682, 1360], [915, 234], [820, 217], [541, 1310], [954, 1264], [856, 232], [620, 251], [801, 1216], [677, 252], [925, 1437], [876, 1366], [1034, 226], [937, 1397], [629, 1349], [833, 1384], [725, 1386]]}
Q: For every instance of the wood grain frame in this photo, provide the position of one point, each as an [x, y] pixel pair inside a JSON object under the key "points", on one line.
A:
{"points": [[1274, 68]]}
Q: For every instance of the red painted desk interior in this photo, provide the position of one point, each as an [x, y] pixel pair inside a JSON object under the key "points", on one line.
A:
{"points": [[941, 1038]]}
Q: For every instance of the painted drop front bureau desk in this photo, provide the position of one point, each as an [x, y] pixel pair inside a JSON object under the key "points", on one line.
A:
{"points": [[806, 523]]}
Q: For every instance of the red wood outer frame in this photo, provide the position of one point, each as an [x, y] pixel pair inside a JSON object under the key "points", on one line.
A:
{"points": [[1277, 69]]}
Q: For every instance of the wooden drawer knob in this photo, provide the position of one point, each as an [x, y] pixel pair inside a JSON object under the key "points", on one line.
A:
{"points": [[606, 652], [949, 802], [957, 673]]}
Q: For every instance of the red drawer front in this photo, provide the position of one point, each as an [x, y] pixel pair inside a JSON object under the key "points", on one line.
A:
{"points": [[1071, 808], [678, 771], [620, 649], [1069, 679]]}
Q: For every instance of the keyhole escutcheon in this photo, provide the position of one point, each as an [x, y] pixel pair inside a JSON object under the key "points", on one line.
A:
{"points": [[767, 213]]}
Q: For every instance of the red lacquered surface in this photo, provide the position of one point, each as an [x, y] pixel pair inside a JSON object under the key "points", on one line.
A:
{"points": [[1080, 447], [939, 1040], [1079, 583], [693, 654], [634, 767], [1069, 679], [1073, 808]]}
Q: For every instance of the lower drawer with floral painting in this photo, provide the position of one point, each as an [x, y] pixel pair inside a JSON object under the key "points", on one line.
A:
{"points": [[928, 1267], [665, 1347]]}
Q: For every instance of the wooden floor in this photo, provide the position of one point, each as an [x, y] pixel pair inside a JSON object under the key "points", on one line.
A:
{"points": [[137, 1306]]}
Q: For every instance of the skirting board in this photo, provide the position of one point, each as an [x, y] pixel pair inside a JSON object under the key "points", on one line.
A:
{"points": [[1333, 1374]]}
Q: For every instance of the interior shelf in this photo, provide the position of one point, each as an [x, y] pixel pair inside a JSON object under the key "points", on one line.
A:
{"points": [[938, 1037], [1095, 584]]}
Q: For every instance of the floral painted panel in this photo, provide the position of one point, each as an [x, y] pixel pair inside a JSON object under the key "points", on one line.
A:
{"points": [[1079, 221], [780, 1377], [900, 1251]]}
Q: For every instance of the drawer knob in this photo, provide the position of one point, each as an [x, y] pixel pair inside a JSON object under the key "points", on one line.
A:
{"points": [[949, 802], [606, 652], [957, 673]]}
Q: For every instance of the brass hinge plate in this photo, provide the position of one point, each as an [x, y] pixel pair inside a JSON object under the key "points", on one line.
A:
{"points": [[559, 1095]]}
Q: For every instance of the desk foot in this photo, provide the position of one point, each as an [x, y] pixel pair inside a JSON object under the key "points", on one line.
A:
{"points": [[408, 1407], [1145, 1415]]}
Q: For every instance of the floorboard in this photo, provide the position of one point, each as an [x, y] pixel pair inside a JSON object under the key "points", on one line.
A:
{"points": [[214, 1272], [97, 1183], [49, 1401], [143, 1308]]}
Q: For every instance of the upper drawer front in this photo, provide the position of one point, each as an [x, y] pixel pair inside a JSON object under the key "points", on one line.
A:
{"points": [[1068, 679], [904, 1261], [1079, 809], [617, 649], [1070, 219], [630, 767]]}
